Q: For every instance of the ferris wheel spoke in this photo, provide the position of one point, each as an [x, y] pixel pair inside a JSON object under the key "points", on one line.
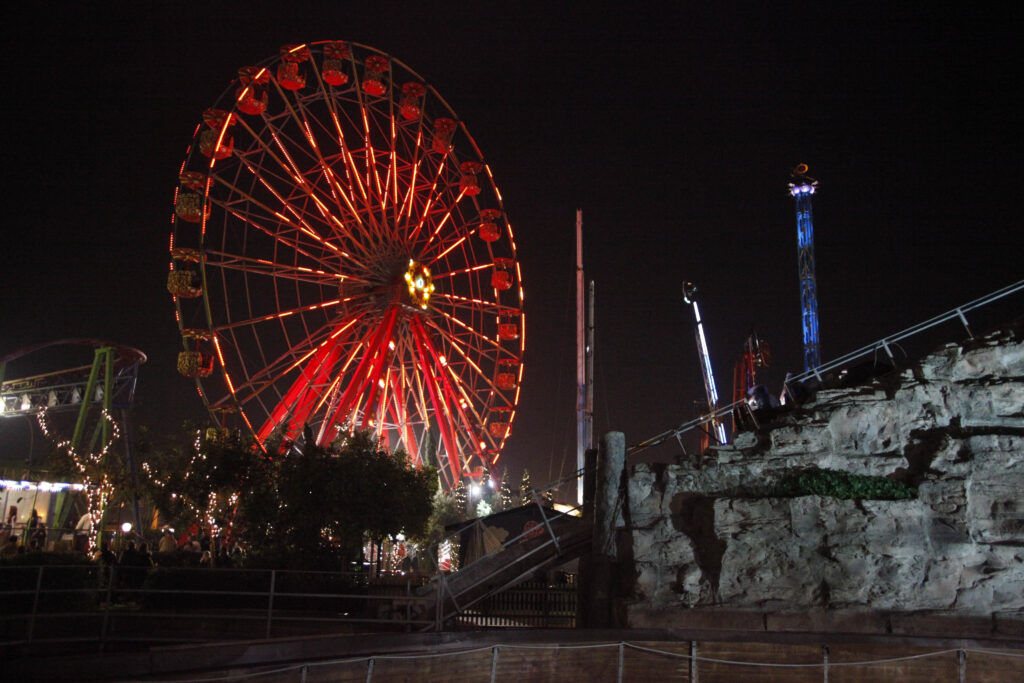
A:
{"points": [[278, 369], [278, 315], [295, 404], [469, 330], [374, 351], [351, 170], [474, 305], [461, 271], [447, 217], [281, 157], [302, 117], [296, 180], [414, 167], [284, 238], [432, 195], [322, 215], [404, 428], [484, 377], [373, 387], [355, 172], [442, 415], [282, 271], [372, 173], [297, 227], [431, 260], [401, 415], [449, 392]]}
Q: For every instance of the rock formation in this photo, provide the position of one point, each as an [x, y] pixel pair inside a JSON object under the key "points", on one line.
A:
{"points": [[951, 426]]}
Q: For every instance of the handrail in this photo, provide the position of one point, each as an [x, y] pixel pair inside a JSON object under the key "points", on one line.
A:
{"points": [[106, 591], [882, 344]]}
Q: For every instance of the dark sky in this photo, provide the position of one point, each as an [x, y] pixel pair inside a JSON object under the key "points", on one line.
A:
{"points": [[673, 126]]}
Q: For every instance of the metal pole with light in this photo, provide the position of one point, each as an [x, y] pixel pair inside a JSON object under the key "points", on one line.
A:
{"points": [[690, 297]]}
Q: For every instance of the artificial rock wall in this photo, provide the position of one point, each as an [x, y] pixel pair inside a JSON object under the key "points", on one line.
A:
{"points": [[702, 535]]}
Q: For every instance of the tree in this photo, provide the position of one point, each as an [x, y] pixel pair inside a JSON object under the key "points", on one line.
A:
{"points": [[307, 509], [525, 489], [324, 500], [198, 482], [461, 497], [504, 492]]}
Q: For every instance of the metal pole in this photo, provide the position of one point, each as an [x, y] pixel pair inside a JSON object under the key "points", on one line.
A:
{"points": [[111, 578], [408, 606], [544, 518], [581, 352], [710, 388], [35, 604], [270, 601], [588, 430], [494, 663], [622, 648]]}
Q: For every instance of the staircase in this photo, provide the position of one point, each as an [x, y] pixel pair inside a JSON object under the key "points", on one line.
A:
{"points": [[561, 538]]}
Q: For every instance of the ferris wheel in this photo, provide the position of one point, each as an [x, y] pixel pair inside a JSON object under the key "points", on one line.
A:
{"points": [[341, 258]]}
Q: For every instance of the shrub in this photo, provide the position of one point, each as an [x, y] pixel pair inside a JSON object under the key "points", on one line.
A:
{"points": [[844, 485]]}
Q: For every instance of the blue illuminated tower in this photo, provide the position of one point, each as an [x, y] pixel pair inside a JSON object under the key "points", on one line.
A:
{"points": [[801, 188]]}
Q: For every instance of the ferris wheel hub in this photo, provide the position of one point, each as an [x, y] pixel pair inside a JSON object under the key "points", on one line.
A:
{"points": [[420, 283]]}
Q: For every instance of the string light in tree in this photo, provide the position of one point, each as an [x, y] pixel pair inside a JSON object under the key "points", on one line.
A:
{"points": [[98, 487]]}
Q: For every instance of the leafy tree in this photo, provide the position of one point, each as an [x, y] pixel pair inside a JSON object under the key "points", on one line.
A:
{"points": [[298, 509], [198, 482], [317, 505], [446, 510]]}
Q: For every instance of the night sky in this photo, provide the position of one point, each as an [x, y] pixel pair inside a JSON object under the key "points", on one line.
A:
{"points": [[672, 126]]}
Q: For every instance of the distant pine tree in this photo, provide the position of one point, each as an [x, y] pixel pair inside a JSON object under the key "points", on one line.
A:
{"points": [[505, 492], [486, 492], [460, 498], [525, 489]]}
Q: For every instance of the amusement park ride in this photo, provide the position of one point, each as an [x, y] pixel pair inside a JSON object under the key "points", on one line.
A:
{"points": [[801, 188], [756, 352], [710, 389], [99, 395], [340, 257]]}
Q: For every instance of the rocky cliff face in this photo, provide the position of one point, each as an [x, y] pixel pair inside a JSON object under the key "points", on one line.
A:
{"points": [[952, 425]]}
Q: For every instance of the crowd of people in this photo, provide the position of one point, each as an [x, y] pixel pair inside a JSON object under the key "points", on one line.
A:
{"points": [[22, 537], [194, 548]]}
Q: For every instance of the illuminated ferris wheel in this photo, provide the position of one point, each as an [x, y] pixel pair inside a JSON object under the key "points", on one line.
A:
{"points": [[340, 258]]}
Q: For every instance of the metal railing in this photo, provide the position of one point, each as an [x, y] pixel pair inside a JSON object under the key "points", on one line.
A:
{"points": [[884, 345], [96, 603]]}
